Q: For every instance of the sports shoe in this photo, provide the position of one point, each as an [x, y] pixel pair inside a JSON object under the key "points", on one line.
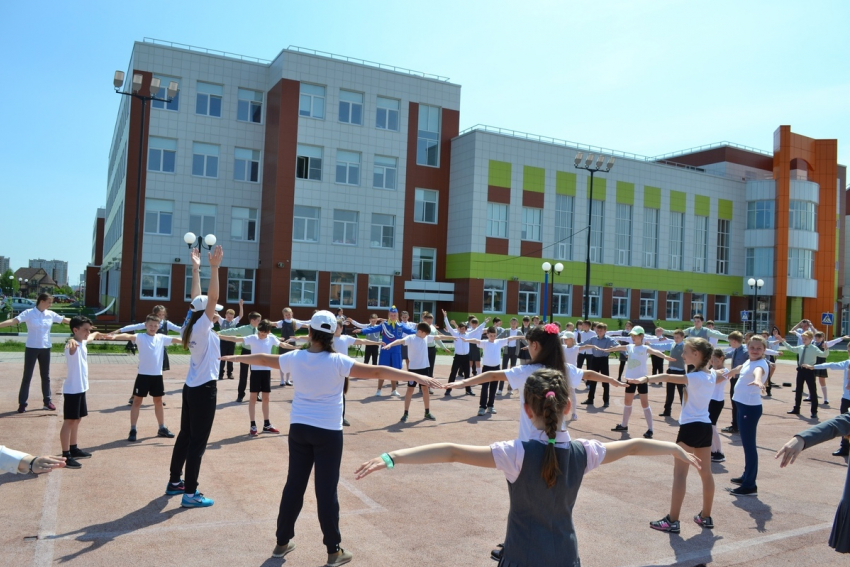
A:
{"points": [[270, 429], [130, 401], [825, 403], [481, 411], [175, 489], [49, 406], [22, 408], [378, 393], [164, 432], [240, 399], [196, 500], [491, 410], [737, 480], [80, 454], [575, 417], [253, 431], [665, 524], [341, 557], [664, 414], [259, 398], [605, 404], [741, 491], [289, 382], [431, 391], [230, 376], [346, 423], [429, 416], [718, 457], [72, 463], [282, 550], [403, 418], [704, 522], [729, 429], [619, 427], [469, 392], [587, 403], [794, 411], [395, 394], [448, 394], [648, 435], [132, 437]]}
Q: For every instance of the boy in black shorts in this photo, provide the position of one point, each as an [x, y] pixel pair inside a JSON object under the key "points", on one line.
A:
{"points": [[417, 350], [74, 389]]}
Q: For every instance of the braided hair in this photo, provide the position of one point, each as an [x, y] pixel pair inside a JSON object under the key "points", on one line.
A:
{"points": [[547, 393]]}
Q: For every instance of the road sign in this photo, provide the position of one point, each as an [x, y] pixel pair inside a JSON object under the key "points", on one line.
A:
{"points": [[745, 316], [827, 319]]}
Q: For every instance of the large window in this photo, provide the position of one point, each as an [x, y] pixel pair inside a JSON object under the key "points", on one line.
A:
{"points": [[561, 299], [624, 235], [721, 308], [697, 304], [497, 220], [532, 220], [620, 303], [760, 214], [674, 306], [347, 167], [380, 292], [424, 264], [385, 172], [246, 165], [308, 163], [343, 289], [597, 225], [208, 101], [677, 240], [494, 296], [302, 287], [648, 300], [162, 154], [243, 224], [202, 219], [204, 160], [723, 246], [594, 296], [529, 294], [564, 207], [759, 262], [800, 263], [386, 117], [425, 206], [158, 215], [802, 215], [174, 105], [701, 244], [345, 227], [156, 281], [240, 285], [250, 106], [187, 283], [351, 107], [312, 101], [383, 231], [305, 225], [650, 238], [428, 140]]}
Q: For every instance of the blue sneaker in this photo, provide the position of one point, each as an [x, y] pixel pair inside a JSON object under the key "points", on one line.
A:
{"points": [[175, 489], [196, 500]]}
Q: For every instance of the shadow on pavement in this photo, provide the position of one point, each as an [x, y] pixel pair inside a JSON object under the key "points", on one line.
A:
{"points": [[758, 510]]}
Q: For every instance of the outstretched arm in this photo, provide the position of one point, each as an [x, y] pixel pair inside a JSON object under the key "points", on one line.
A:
{"points": [[231, 339], [360, 370], [613, 349], [660, 354], [10, 322], [367, 342], [255, 359], [674, 378], [647, 448], [477, 456], [835, 427], [120, 337], [597, 377]]}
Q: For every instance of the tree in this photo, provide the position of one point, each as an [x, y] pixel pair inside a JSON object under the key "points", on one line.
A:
{"points": [[8, 283]]}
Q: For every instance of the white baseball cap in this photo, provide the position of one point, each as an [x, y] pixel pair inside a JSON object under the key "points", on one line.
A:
{"points": [[200, 304], [568, 335], [324, 321]]}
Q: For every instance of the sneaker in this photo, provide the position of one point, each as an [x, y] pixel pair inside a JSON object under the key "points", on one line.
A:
{"points": [[702, 522], [253, 432], [824, 403], [130, 401], [80, 454], [132, 437], [240, 399], [665, 524], [196, 500], [575, 417], [72, 463], [664, 414], [395, 394], [619, 427], [448, 394], [22, 408], [470, 393], [741, 491], [431, 391], [289, 382], [794, 411], [341, 557], [648, 434], [403, 418], [282, 550], [718, 457], [605, 404], [49, 406], [429, 416], [377, 392], [270, 429], [345, 422], [737, 480], [491, 410], [259, 398], [807, 399], [175, 489], [481, 411], [729, 429], [164, 432], [587, 403], [230, 376]]}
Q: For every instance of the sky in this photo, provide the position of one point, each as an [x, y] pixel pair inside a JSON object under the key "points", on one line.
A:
{"points": [[647, 77]]}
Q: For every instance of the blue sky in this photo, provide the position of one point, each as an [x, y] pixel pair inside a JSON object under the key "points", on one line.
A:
{"points": [[645, 77]]}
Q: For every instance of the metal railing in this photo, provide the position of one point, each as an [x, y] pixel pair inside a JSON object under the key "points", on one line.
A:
{"points": [[383, 66], [206, 50], [711, 147]]}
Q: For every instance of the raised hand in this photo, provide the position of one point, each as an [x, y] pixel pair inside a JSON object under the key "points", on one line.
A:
{"points": [[216, 256], [196, 257]]}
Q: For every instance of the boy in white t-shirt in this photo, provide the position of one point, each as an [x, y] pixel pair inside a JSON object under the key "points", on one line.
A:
{"points": [[492, 348], [341, 344], [417, 354]]}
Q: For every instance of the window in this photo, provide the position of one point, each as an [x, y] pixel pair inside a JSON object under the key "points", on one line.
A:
{"points": [[624, 235], [424, 262], [380, 292], [597, 223], [528, 297], [343, 288], [308, 163], [249, 107], [208, 102], [759, 262], [351, 107], [302, 287], [497, 220], [594, 296], [677, 240], [158, 214], [800, 263], [760, 214], [383, 231], [650, 238], [802, 215], [202, 218], [564, 207], [648, 300], [620, 304], [243, 224], [174, 105], [531, 220], [240, 285], [674, 306], [494, 296], [187, 284], [312, 101], [204, 160], [561, 299], [345, 227], [425, 206], [305, 225], [697, 304], [347, 167], [721, 308], [428, 141], [385, 172], [387, 114], [723, 246], [156, 281], [162, 154], [246, 166], [701, 244]]}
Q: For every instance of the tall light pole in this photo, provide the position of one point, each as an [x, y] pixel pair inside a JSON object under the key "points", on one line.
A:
{"points": [[171, 92], [755, 286], [550, 269], [592, 168]]}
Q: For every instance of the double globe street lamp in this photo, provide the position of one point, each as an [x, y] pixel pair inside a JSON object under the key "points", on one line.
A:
{"points": [[548, 268], [755, 286]]}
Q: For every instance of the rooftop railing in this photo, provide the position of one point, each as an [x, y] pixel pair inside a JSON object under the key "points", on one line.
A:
{"points": [[713, 146], [368, 63], [206, 50]]}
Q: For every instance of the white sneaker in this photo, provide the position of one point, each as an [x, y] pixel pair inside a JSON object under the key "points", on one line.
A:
{"points": [[378, 393], [575, 417], [396, 394], [491, 410], [289, 382]]}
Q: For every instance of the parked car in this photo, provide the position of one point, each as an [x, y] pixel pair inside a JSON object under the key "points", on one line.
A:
{"points": [[18, 304], [62, 298]]}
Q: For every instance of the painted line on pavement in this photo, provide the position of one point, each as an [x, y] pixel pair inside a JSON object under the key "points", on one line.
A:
{"points": [[50, 503]]}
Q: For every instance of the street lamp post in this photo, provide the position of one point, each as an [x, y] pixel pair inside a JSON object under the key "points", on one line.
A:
{"points": [[171, 92], [755, 286], [592, 168], [21, 283], [549, 293], [199, 242]]}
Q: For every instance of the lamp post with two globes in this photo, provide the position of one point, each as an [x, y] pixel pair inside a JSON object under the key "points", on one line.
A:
{"points": [[548, 268], [755, 286]]}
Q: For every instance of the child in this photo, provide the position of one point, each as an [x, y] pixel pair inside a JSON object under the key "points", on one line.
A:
{"points": [[661, 343], [548, 467], [624, 337], [341, 344], [677, 366], [509, 358], [823, 344], [598, 362], [807, 354], [522, 346], [715, 406], [371, 352], [460, 362], [288, 326], [254, 319], [572, 352], [417, 352], [228, 347], [74, 389], [694, 433], [844, 448], [165, 327], [492, 348], [737, 352], [474, 331]]}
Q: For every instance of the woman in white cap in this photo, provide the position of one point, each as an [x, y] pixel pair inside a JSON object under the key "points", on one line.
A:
{"points": [[315, 431], [199, 391]]}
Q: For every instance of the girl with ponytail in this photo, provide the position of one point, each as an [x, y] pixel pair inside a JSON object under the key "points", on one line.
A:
{"points": [[544, 473]]}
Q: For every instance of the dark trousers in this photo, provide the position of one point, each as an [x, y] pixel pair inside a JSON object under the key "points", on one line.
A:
{"points": [[620, 371], [845, 405], [597, 364], [460, 364], [31, 355], [371, 353], [432, 360], [508, 361], [580, 360], [310, 445], [196, 421], [807, 377], [243, 375], [748, 420], [488, 389], [657, 364], [227, 348], [671, 391], [732, 382]]}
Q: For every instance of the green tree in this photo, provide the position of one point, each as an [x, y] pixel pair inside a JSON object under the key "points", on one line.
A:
{"points": [[8, 283]]}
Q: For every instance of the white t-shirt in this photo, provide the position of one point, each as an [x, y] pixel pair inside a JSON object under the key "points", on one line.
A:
{"points": [[571, 354], [38, 326], [719, 393], [744, 393], [492, 352], [342, 342], [204, 351], [417, 352], [700, 389], [516, 377], [261, 346], [319, 378], [77, 380], [844, 365], [636, 363], [508, 455], [151, 348], [574, 376]]}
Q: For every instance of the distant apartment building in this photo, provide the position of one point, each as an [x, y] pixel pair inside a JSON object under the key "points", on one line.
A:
{"points": [[4, 264], [56, 269]]}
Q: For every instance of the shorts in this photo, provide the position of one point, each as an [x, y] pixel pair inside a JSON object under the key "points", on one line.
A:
{"points": [[419, 372], [641, 388], [697, 434], [474, 353], [404, 352], [75, 406], [147, 384], [714, 409], [261, 381]]}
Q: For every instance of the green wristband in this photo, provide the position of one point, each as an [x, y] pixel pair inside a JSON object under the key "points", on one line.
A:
{"points": [[388, 460]]}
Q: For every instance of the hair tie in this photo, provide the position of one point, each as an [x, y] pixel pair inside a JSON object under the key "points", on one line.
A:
{"points": [[551, 328], [551, 441], [550, 394]]}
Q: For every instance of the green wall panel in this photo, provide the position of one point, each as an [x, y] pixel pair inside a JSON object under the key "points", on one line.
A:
{"points": [[678, 201], [651, 197], [702, 205], [565, 183], [533, 179], [625, 193], [598, 188], [499, 174], [724, 209]]}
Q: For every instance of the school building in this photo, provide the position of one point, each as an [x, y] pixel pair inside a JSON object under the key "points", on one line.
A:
{"points": [[336, 182]]}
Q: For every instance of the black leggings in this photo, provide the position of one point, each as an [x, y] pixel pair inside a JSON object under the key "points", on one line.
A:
{"points": [[31, 355], [488, 389], [310, 445], [243, 375], [371, 353], [196, 420]]}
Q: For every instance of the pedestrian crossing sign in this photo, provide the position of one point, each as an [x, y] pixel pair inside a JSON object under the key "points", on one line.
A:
{"points": [[826, 319]]}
